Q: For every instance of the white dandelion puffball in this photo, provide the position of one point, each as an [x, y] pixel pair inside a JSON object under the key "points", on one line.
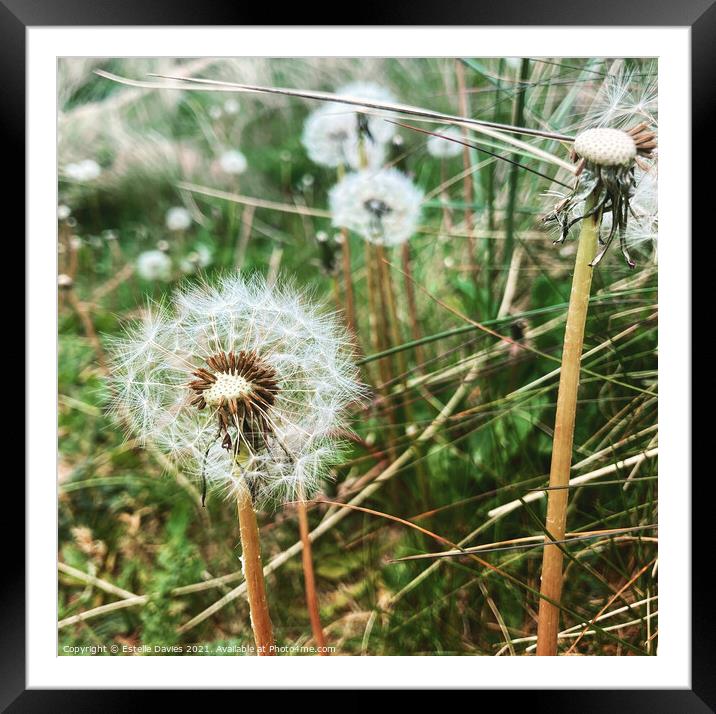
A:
{"points": [[606, 147], [239, 384], [231, 106], [233, 162], [83, 171], [154, 265], [178, 218], [442, 148], [382, 206], [63, 212], [331, 135], [201, 257]]}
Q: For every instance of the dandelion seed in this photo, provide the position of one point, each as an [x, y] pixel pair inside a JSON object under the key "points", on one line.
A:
{"points": [[382, 206], [442, 148], [239, 383], [178, 218], [154, 265], [63, 212], [624, 99], [332, 134], [233, 162], [83, 171]]}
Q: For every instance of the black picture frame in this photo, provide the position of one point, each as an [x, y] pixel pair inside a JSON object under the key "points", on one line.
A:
{"points": [[699, 15]]}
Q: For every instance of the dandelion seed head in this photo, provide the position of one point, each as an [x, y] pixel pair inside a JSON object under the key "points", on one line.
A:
{"points": [[178, 218], [154, 265], [232, 106], [382, 206], [238, 382], [83, 171], [442, 148], [63, 212], [233, 162], [331, 136], [200, 257]]}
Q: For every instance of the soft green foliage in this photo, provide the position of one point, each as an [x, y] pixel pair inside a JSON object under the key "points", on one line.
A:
{"points": [[141, 524]]}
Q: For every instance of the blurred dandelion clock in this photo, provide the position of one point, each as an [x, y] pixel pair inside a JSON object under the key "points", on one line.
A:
{"points": [[200, 257], [83, 171], [231, 106], [382, 206], [233, 162], [441, 147], [241, 384], [154, 265], [178, 218], [335, 134]]}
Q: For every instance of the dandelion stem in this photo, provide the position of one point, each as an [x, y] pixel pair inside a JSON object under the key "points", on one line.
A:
{"points": [[310, 579], [253, 573], [412, 304], [348, 281], [551, 586]]}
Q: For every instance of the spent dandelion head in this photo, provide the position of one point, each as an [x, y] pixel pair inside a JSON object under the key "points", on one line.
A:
{"points": [[336, 135], [239, 383], [443, 146], [606, 161], [381, 206]]}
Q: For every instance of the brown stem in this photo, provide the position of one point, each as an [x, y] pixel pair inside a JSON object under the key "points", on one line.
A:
{"points": [[253, 573], [310, 580], [83, 313], [348, 280], [551, 585], [412, 304]]}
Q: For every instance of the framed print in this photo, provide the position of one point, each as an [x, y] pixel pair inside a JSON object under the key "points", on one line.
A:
{"points": [[345, 344]]}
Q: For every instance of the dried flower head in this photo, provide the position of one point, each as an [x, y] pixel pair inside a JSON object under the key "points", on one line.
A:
{"points": [[382, 206], [154, 265], [441, 147], [238, 383], [606, 161], [178, 218], [335, 134]]}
